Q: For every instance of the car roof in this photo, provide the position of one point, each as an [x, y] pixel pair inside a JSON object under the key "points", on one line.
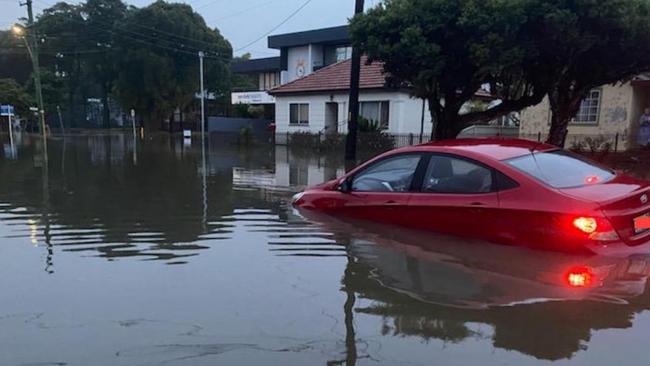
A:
{"points": [[494, 147]]}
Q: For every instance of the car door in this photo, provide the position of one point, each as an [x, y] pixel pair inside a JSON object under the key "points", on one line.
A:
{"points": [[457, 196], [381, 191]]}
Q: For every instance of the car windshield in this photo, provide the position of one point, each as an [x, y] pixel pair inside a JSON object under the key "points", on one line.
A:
{"points": [[560, 169]]}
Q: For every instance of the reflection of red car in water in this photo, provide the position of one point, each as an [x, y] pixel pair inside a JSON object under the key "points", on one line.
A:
{"points": [[449, 271], [505, 190]]}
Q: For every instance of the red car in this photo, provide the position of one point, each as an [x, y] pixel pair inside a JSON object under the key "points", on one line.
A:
{"points": [[509, 191]]}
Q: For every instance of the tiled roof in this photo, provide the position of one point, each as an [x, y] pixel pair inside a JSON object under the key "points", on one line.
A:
{"points": [[336, 77]]}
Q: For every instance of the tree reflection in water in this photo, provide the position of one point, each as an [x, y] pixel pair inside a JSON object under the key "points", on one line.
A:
{"points": [[94, 199]]}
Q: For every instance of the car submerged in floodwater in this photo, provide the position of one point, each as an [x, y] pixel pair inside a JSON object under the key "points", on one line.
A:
{"points": [[509, 191]]}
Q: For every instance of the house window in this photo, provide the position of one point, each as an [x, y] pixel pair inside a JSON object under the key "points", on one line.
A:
{"points": [[376, 112], [299, 114], [343, 53], [269, 80], [589, 108]]}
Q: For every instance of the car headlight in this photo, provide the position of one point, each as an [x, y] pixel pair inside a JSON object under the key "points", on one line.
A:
{"points": [[297, 196]]}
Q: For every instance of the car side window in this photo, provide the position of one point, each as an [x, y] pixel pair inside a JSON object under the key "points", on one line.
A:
{"points": [[393, 174], [447, 174], [504, 182]]}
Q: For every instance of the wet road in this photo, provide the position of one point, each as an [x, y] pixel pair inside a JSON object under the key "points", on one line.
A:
{"points": [[113, 258]]}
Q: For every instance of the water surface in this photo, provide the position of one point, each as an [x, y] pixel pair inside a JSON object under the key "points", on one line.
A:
{"points": [[111, 255]]}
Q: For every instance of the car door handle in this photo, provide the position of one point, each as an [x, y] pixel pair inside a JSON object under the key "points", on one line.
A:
{"points": [[477, 204], [391, 203]]}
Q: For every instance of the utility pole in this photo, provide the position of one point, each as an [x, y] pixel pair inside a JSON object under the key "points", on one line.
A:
{"points": [[201, 55], [11, 132], [58, 111], [37, 71], [135, 140], [353, 111], [203, 159]]}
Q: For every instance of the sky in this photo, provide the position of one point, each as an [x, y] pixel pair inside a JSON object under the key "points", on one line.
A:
{"points": [[240, 21]]}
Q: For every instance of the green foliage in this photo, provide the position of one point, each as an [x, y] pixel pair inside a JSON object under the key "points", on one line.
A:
{"points": [[14, 94], [375, 141], [306, 140], [524, 49], [584, 44], [370, 141], [63, 50], [155, 80], [14, 58], [241, 111], [592, 145], [102, 21], [144, 58], [247, 111], [366, 125], [51, 86], [244, 82], [372, 137], [476, 106], [446, 50]]}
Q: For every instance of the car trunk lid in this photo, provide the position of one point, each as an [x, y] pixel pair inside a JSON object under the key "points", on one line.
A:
{"points": [[622, 200]]}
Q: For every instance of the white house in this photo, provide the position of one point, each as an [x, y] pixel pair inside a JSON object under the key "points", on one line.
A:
{"points": [[318, 102]]}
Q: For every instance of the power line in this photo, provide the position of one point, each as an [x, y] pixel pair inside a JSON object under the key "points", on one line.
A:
{"points": [[16, 51], [276, 27], [150, 42]]}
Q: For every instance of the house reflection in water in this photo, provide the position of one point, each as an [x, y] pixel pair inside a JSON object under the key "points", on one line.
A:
{"points": [[293, 171]]}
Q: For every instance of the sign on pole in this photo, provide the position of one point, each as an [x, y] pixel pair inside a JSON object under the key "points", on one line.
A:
{"points": [[6, 110]]}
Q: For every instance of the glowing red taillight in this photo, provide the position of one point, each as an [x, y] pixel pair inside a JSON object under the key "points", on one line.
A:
{"points": [[587, 225], [597, 228], [580, 277]]}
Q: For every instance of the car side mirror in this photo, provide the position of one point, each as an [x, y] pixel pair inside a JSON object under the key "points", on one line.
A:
{"points": [[345, 186]]}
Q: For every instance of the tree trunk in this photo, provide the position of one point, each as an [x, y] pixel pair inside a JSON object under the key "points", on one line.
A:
{"points": [[559, 129], [445, 120], [565, 101], [445, 130], [564, 106]]}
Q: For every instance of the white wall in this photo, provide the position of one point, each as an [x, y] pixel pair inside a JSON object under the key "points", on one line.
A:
{"points": [[405, 112], [298, 56]]}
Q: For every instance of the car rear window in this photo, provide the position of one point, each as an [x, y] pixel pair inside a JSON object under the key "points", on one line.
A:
{"points": [[561, 169]]}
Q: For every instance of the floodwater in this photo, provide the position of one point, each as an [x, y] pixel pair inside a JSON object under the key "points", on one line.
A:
{"points": [[166, 256]]}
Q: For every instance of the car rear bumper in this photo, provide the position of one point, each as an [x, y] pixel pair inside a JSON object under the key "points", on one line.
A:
{"points": [[619, 248]]}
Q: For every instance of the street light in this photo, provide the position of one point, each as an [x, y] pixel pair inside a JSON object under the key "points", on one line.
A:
{"points": [[22, 32], [18, 30]]}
